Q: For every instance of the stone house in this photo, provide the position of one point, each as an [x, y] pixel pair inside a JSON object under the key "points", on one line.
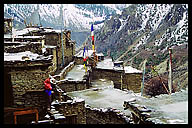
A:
{"points": [[24, 74], [53, 37], [79, 57], [123, 77], [26, 66], [132, 79]]}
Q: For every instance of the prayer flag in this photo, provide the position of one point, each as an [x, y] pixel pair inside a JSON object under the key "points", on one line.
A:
{"points": [[92, 27], [92, 42], [85, 59], [92, 35]]}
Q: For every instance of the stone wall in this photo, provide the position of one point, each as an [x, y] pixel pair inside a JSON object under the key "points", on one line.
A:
{"points": [[26, 79], [121, 80], [59, 56], [72, 85], [74, 110], [69, 50], [69, 85], [140, 114], [54, 66], [132, 81], [34, 47], [62, 74], [51, 39], [109, 74], [54, 60], [36, 99], [105, 116], [25, 39]]}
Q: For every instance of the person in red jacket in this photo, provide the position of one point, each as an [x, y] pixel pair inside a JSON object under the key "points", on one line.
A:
{"points": [[48, 89]]}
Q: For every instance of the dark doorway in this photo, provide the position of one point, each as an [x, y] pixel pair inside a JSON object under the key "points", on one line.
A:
{"points": [[8, 91], [71, 119]]}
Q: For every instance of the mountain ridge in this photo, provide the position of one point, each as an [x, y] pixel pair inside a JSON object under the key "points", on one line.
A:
{"points": [[75, 16], [146, 32]]}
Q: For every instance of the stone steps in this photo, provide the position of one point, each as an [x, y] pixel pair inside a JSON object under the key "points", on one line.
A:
{"points": [[52, 117]]}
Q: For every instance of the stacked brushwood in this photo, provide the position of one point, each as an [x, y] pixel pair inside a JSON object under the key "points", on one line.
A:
{"points": [[154, 86]]}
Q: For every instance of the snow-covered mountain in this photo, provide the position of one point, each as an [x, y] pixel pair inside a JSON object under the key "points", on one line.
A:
{"points": [[145, 32], [140, 24], [77, 17]]}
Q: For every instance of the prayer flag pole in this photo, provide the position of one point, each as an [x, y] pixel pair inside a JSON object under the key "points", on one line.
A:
{"points": [[170, 71], [93, 45], [142, 85]]}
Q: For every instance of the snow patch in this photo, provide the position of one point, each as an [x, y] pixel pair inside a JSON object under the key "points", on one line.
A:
{"points": [[129, 69]]}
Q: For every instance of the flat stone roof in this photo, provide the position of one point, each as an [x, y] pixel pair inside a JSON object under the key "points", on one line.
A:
{"points": [[22, 56], [34, 29], [99, 54], [18, 56], [22, 37], [25, 31], [118, 62], [165, 108], [129, 69], [102, 94], [6, 19], [76, 73], [50, 46], [107, 63]]}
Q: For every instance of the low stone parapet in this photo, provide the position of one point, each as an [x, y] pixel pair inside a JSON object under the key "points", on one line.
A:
{"points": [[72, 85], [74, 110], [105, 116]]}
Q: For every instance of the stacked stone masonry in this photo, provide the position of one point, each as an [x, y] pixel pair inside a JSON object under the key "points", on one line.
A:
{"points": [[132, 82], [34, 47], [105, 116], [25, 80], [129, 81], [69, 86], [74, 109], [36, 99], [61, 75]]}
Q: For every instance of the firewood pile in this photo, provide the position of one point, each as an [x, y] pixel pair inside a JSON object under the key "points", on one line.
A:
{"points": [[155, 86]]}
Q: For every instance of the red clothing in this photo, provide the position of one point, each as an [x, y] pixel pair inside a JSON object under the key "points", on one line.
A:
{"points": [[47, 84]]}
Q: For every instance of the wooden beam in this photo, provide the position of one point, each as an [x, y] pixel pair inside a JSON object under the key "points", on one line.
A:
{"points": [[26, 112], [10, 109]]}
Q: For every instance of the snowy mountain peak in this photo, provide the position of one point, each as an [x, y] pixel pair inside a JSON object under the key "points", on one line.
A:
{"points": [[75, 16]]}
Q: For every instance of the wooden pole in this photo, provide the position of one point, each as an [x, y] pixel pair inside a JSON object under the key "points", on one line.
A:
{"points": [[170, 72], [37, 116], [121, 82], [142, 86], [15, 119]]}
